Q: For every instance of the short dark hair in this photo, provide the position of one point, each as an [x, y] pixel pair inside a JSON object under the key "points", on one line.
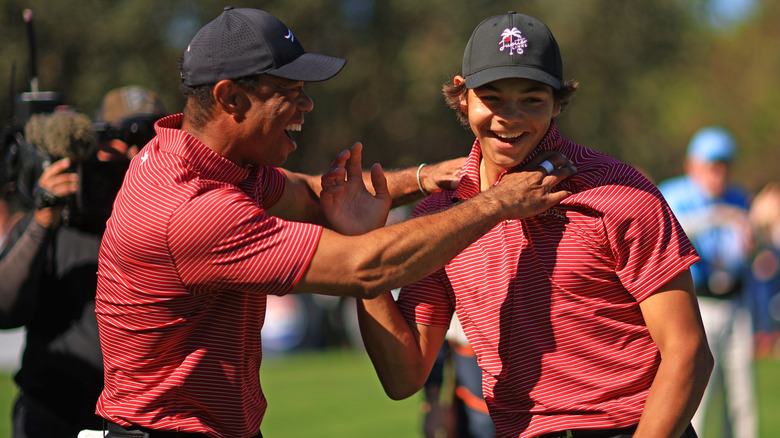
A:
{"points": [[454, 93], [200, 98]]}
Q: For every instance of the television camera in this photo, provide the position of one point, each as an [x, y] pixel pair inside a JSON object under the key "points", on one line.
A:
{"points": [[40, 130]]}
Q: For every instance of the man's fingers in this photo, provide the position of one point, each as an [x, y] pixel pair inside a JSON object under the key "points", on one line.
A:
{"points": [[56, 168], [443, 175], [59, 165], [354, 165], [334, 176], [337, 174], [449, 184], [341, 159], [556, 197], [58, 179], [547, 162], [379, 181], [564, 172], [65, 184]]}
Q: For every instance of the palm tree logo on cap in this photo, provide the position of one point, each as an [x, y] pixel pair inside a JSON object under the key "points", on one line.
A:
{"points": [[513, 40]]}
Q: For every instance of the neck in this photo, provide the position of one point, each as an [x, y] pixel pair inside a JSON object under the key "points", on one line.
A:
{"points": [[213, 136], [488, 175]]}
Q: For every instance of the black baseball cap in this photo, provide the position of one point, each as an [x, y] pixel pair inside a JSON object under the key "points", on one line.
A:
{"points": [[246, 42], [512, 46]]}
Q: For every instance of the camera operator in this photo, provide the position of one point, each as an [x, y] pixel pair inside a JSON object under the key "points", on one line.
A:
{"points": [[49, 262]]}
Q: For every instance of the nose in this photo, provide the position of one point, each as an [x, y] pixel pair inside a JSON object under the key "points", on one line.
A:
{"points": [[305, 103], [510, 111]]}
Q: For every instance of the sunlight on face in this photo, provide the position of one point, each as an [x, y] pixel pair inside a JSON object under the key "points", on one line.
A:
{"points": [[509, 117]]}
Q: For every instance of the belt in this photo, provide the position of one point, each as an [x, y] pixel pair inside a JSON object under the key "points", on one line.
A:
{"points": [[142, 432], [590, 433]]}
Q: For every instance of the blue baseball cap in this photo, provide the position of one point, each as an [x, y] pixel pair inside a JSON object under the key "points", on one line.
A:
{"points": [[712, 143]]}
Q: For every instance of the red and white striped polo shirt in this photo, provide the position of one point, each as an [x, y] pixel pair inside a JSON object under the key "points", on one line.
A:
{"points": [[550, 304], [186, 263]]}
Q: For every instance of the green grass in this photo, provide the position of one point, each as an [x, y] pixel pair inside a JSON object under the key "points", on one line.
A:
{"points": [[332, 394], [768, 391], [337, 394], [7, 396], [323, 394]]}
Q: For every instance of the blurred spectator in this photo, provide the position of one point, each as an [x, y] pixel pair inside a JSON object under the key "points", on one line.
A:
{"points": [[467, 415], [765, 270], [125, 121], [49, 268], [472, 416], [714, 214]]}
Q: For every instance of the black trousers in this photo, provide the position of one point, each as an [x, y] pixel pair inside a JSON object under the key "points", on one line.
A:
{"points": [[32, 419]]}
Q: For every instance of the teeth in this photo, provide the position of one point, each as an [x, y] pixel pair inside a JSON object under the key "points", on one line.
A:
{"points": [[294, 127], [508, 134]]}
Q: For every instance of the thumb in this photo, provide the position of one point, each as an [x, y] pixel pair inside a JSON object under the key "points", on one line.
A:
{"points": [[449, 184]]}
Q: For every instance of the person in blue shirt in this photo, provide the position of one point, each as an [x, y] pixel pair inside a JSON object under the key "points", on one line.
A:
{"points": [[713, 211]]}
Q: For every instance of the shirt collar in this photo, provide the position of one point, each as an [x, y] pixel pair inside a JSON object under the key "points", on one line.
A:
{"points": [[199, 157], [469, 182]]}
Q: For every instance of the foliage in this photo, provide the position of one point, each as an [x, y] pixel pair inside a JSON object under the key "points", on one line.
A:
{"points": [[651, 73]]}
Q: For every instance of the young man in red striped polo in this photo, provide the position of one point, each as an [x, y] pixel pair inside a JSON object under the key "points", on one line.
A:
{"points": [[583, 317], [206, 226]]}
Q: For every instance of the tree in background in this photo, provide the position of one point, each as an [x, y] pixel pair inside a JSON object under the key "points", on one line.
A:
{"points": [[651, 73]]}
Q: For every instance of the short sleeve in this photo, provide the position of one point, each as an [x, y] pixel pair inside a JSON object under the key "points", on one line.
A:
{"points": [[427, 301], [650, 247], [223, 239]]}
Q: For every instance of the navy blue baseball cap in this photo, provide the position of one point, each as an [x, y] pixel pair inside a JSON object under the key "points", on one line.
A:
{"points": [[245, 42], [512, 46]]}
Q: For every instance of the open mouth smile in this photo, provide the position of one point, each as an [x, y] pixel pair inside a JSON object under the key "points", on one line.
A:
{"points": [[508, 137], [293, 127]]}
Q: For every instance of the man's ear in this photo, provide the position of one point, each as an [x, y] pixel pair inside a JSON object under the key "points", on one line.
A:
{"points": [[557, 108], [230, 98], [464, 98]]}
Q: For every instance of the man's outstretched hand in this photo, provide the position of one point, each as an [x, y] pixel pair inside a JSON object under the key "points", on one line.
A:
{"points": [[349, 207]]}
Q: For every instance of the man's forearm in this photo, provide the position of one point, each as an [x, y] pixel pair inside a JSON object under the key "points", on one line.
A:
{"points": [[393, 347], [393, 256], [414, 183], [403, 186]]}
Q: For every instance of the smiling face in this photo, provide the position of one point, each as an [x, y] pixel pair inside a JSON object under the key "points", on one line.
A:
{"points": [[277, 108], [509, 117]]}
